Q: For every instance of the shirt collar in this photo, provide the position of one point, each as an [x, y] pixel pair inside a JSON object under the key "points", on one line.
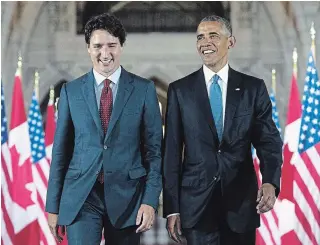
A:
{"points": [[114, 77], [223, 74]]}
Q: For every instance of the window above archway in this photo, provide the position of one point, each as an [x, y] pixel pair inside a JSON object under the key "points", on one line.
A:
{"points": [[144, 16]]}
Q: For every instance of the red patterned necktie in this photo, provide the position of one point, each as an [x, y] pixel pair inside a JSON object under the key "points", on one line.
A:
{"points": [[105, 113]]}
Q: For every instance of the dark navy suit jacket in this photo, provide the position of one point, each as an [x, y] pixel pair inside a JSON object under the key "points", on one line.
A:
{"points": [[130, 153], [189, 180]]}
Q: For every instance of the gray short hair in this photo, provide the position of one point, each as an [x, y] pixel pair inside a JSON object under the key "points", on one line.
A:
{"points": [[225, 23]]}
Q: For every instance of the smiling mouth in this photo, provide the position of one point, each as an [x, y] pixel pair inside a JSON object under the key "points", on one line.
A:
{"points": [[105, 62], [206, 52]]}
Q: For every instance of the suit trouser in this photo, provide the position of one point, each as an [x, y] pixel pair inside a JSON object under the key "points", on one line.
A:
{"points": [[87, 227], [212, 228]]}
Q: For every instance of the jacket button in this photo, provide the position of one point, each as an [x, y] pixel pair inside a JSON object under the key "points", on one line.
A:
{"points": [[105, 147]]}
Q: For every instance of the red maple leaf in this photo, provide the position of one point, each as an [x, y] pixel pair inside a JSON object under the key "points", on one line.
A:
{"points": [[20, 187]]}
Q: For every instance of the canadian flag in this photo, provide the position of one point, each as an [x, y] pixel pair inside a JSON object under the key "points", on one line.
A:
{"points": [[49, 137], [18, 190], [50, 126], [291, 139]]}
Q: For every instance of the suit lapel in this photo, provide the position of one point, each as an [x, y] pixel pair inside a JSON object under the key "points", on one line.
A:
{"points": [[234, 92], [125, 88], [201, 99], [90, 98]]}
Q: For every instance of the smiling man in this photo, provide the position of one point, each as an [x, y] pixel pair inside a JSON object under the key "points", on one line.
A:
{"points": [[214, 115], [106, 162]]}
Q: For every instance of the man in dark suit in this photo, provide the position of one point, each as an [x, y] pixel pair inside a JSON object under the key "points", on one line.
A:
{"points": [[106, 162], [213, 117]]}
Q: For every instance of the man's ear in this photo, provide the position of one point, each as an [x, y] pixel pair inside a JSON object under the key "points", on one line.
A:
{"points": [[232, 42]]}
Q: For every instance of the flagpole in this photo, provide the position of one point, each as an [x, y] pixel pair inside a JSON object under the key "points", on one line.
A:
{"points": [[313, 43], [274, 81], [36, 84]]}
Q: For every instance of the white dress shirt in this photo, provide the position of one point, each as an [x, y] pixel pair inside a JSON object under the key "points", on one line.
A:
{"points": [[223, 83], [98, 85]]}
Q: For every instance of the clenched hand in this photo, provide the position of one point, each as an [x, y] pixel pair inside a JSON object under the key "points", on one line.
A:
{"points": [[266, 198], [54, 227], [146, 213]]}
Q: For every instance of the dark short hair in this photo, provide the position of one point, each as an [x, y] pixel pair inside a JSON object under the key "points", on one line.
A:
{"points": [[225, 23], [107, 22]]}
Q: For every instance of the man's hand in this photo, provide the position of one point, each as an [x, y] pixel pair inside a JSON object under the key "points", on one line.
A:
{"points": [[54, 227], [266, 198], [146, 214], [174, 228]]}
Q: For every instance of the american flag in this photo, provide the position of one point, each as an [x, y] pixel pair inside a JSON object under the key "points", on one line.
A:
{"points": [[275, 114], [306, 186], [40, 166], [5, 160], [268, 232], [4, 125]]}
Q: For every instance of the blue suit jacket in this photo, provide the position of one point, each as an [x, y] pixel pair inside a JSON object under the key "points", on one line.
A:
{"points": [[130, 153]]}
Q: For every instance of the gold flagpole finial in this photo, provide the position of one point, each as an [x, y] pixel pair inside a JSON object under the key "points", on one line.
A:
{"points": [[313, 31], [51, 93], [19, 61], [313, 38], [36, 78], [295, 61], [274, 80], [36, 84], [19, 68]]}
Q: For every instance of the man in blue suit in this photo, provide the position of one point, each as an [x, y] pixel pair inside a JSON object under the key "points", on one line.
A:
{"points": [[106, 163]]}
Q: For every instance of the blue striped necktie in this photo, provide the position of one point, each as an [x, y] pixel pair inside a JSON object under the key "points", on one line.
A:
{"points": [[216, 104]]}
